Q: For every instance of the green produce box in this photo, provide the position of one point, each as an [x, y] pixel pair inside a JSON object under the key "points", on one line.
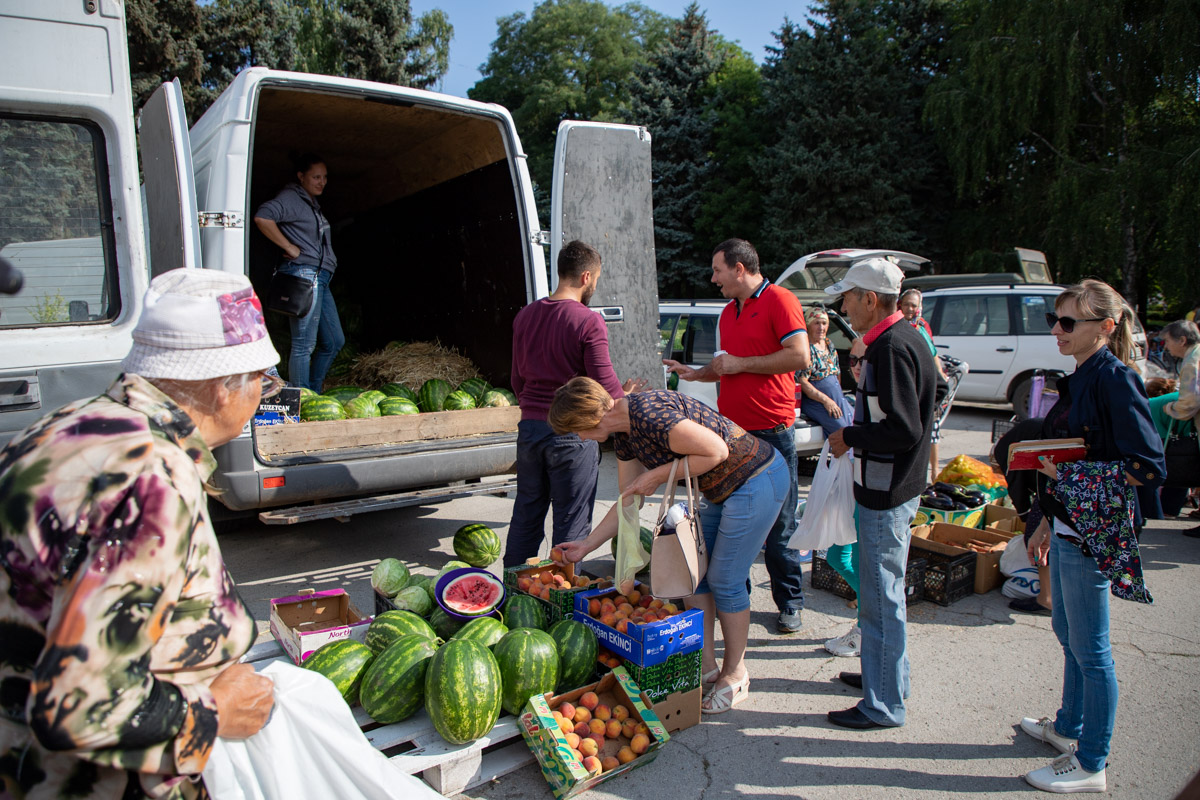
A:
{"points": [[679, 673], [971, 518], [561, 769], [561, 604]]}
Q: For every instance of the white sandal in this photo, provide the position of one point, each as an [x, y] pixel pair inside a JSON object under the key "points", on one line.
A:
{"points": [[722, 699], [711, 676]]}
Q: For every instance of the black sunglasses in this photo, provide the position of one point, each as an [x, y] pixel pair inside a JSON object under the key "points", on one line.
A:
{"points": [[1068, 323], [856, 360]]}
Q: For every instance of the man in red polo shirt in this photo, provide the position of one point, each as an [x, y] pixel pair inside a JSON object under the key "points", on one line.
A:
{"points": [[764, 342]]}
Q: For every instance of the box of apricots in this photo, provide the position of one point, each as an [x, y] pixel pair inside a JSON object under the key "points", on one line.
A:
{"points": [[591, 734], [640, 627]]}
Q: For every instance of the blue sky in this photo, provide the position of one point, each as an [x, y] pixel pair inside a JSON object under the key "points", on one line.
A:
{"points": [[751, 23]]}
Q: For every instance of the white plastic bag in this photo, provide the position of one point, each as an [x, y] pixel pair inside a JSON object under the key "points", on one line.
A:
{"points": [[1023, 584], [310, 747], [829, 511], [1015, 556]]}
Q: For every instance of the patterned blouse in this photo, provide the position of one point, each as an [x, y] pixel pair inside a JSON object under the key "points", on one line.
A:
{"points": [[824, 363], [652, 415], [118, 610]]}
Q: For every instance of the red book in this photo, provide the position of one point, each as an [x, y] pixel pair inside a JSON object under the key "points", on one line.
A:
{"points": [[1024, 455]]}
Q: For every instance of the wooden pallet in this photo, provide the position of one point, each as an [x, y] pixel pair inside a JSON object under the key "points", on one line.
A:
{"points": [[418, 749]]}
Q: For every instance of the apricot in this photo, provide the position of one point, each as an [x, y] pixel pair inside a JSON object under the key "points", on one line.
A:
{"points": [[535, 587], [545, 595], [594, 608], [622, 625], [654, 602], [607, 607], [620, 600], [556, 555], [609, 763], [643, 729], [573, 740], [588, 746], [613, 729], [546, 576], [609, 620], [567, 725], [626, 607], [589, 700], [639, 743], [583, 714], [629, 728], [524, 582], [567, 710], [625, 755], [620, 713], [598, 726], [598, 738], [593, 765], [582, 730], [602, 713], [634, 597], [670, 608]]}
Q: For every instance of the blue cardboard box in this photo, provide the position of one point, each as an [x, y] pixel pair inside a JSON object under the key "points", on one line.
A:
{"points": [[648, 644]]}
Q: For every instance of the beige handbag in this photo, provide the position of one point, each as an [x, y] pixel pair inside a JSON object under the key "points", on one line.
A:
{"points": [[679, 558]]}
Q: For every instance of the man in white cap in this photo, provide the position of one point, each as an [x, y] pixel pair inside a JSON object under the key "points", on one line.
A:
{"points": [[893, 419]]}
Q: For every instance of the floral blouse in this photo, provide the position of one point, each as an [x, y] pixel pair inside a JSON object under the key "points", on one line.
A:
{"points": [[824, 363], [117, 606]]}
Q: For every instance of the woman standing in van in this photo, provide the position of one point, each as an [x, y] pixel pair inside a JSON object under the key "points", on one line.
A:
{"points": [[293, 222]]}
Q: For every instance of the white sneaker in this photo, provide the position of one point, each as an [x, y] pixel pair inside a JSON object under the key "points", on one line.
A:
{"points": [[1066, 776], [1043, 730], [847, 645]]}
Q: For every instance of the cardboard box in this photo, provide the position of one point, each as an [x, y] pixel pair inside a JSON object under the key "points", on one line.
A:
{"points": [[945, 538], [561, 769], [280, 409], [680, 710], [1002, 520], [648, 644], [678, 674], [561, 604], [304, 622]]}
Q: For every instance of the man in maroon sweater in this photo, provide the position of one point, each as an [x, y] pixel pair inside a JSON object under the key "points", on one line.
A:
{"points": [[555, 339]]}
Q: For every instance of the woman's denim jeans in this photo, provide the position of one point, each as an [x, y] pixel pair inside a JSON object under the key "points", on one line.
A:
{"points": [[883, 538], [320, 330], [831, 387], [734, 532], [1079, 598]]}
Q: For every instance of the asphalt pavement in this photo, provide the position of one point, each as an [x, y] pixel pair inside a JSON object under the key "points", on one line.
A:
{"points": [[977, 668]]}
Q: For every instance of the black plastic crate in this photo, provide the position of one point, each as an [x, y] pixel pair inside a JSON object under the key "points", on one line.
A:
{"points": [[826, 577], [948, 579]]}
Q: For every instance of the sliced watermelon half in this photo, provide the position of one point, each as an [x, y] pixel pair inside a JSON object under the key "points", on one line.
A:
{"points": [[469, 592]]}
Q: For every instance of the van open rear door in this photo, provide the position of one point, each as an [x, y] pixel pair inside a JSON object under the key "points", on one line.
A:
{"points": [[170, 183], [601, 194]]}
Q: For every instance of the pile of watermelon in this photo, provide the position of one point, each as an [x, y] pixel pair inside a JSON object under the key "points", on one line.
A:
{"points": [[396, 399], [464, 671]]}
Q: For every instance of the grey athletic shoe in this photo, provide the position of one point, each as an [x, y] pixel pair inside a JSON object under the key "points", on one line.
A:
{"points": [[789, 621]]}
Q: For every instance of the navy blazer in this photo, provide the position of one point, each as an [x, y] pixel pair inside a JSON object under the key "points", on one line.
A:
{"points": [[1110, 411]]}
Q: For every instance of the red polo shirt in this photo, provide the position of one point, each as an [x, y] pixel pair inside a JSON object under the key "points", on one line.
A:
{"points": [[768, 318]]}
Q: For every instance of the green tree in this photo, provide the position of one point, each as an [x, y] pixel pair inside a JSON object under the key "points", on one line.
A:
{"points": [[241, 33], [1080, 124], [568, 60], [380, 42], [849, 162], [164, 43], [671, 97]]}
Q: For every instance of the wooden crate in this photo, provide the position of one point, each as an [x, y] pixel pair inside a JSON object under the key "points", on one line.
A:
{"points": [[417, 748], [315, 437]]}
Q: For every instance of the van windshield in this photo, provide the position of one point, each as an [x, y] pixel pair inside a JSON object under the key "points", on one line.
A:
{"points": [[53, 214]]}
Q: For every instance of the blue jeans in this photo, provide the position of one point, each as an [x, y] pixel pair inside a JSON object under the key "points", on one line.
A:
{"points": [[783, 563], [734, 531], [319, 330], [551, 469], [1079, 604], [883, 538], [831, 387]]}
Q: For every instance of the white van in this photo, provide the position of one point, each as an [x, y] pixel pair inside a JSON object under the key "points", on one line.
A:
{"points": [[434, 224]]}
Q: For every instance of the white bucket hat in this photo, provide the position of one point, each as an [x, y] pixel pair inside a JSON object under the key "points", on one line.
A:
{"points": [[872, 274], [198, 324]]}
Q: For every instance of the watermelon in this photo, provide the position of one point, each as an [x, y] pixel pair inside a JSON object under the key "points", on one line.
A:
{"points": [[458, 400], [478, 545], [389, 577], [524, 611], [528, 662], [476, 387], [393, 687], [577, 651], [344, 394], [493, 399], [426, 583], [433, 394], [361, 408], [344, 662], [647, 537], [399, 390], [449, 566], [485, 630], [373, 396], [444, 625], [319, 408], [470, 593], [391, 625], [306, 392], [512, 398], [397, 406], [462, 690], [414, 599]]}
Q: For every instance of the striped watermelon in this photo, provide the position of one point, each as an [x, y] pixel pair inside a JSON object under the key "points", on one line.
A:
{"points": [[432, 395], [493, 399], [577, 651], [458, 400], [528, 662], [470, 593], [397, 406], [344, 662], [393, 687], [462, 690], [414, 599], [474, 387], [449, 566], [444, 625], [647, 537], [512, 398], [306, 392], [361, 408], [399, 390], [373, 396], [485, 630], [319, 408], [478, 545], [524, 611], [344, 394], [391, 625]]}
